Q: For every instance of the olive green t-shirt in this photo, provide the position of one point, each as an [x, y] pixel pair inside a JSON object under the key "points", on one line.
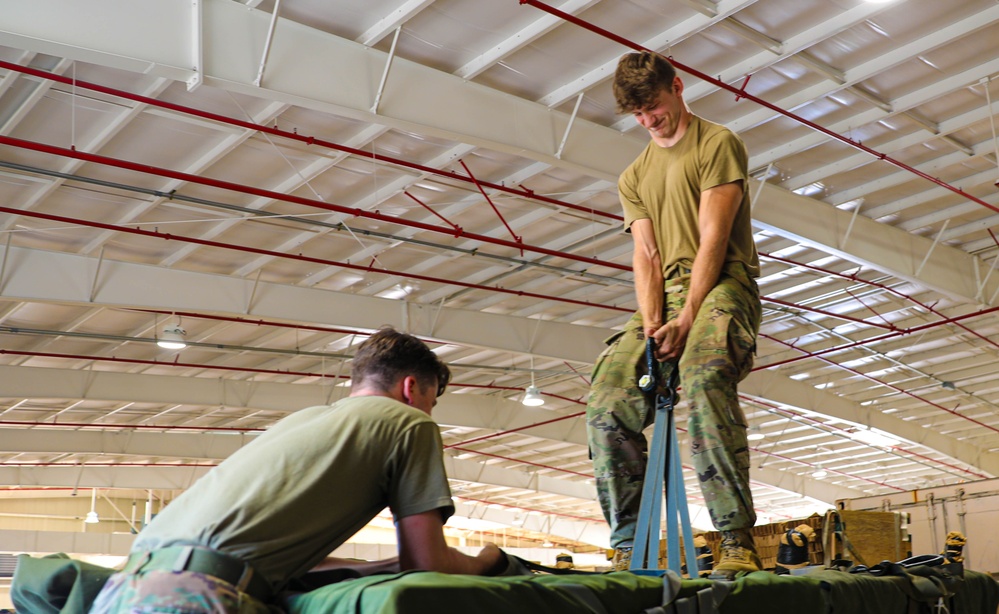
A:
{"points": [[298, 491], [664, 185]]}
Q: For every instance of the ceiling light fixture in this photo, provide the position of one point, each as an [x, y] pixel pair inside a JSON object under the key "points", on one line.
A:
{"points": [[532, 395], [172, 338], [755, 434], [92, 514], [819, 472]]}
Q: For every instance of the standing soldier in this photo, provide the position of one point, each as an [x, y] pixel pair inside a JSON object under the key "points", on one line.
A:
{"points": [[687, 208]]}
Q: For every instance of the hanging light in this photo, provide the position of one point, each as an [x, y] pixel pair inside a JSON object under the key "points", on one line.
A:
{"points": [[172, 338], [532, 395], [819, 472], [92, 514], [755, 434]]}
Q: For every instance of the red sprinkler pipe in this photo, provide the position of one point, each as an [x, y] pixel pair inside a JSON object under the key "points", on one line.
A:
{"points": [[844, 433], [152, 427], [308, 140], [890, 386], [454, 231], [885, 337], [299, 200], [853, 277], [368, 269], [523, 462], [187, 365], [830, 314], [740, 93], [303, 258], [490, 201]]}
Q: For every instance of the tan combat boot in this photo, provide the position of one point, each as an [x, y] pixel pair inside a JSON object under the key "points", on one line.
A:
{"points": [[622, 559], [738, 554], [705, 558], [954, 547]]}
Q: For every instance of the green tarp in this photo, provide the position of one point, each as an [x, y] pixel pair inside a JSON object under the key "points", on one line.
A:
{"points": [[60, 585]]}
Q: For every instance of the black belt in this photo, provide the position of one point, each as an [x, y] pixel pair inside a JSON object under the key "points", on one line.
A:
{"points": [[202, 560]]}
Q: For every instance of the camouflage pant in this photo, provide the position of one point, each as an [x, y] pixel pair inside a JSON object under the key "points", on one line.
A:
{"points": [[161, 591], [718, 354]]}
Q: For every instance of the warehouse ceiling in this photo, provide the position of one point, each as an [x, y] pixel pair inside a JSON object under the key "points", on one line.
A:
{"points": [[280, 178]]}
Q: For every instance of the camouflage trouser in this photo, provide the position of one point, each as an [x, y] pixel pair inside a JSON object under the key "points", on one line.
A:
{"points": [[162, 591], [718, 354]]}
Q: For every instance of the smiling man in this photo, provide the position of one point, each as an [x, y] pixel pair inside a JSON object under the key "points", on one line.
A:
{"points": [[687, 208]]}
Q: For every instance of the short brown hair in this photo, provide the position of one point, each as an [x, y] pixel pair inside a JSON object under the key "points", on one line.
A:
{"points": [[640, 78], [388, 355]]}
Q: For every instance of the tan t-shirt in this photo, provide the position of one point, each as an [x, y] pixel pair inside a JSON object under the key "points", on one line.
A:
{"points": [[664, 184], [291, 496]]}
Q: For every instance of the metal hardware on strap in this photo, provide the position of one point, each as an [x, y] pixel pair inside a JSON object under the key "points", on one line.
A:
{"points": [[198, 559], [662, 472], [185, 555]]}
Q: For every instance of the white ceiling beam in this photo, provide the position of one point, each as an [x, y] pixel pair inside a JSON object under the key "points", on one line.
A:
{"points": [[908, 101], [416, 97], [113, 544], [802, 40], [399, 16], [859, 239], [865, 70], [664, 40], [946, 127], [151, 36], [821, 490], [181, 477], [50, 276], [471, 411], [524, 37], [773, 387]]}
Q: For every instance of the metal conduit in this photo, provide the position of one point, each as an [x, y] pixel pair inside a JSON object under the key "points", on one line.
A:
{"points": [[300, 257], [339, 226], [299, 200]]}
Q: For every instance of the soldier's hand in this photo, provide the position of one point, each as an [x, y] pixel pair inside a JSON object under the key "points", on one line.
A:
{"points": [[671, 340]]}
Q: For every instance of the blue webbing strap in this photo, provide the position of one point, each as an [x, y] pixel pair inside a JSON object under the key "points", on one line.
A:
{"points": [[663, 472]]}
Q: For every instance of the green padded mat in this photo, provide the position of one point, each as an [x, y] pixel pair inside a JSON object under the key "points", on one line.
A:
{"points": [[60, 585]]}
